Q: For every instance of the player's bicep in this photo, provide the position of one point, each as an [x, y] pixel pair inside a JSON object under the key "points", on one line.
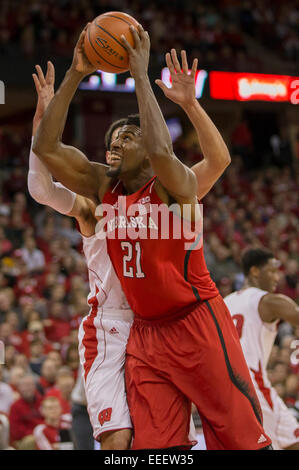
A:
{"points": [[73, 169], [278, 306], [206, 176]]}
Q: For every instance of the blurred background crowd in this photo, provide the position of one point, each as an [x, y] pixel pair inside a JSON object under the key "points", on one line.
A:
{"points": [[43, 276], [216, 32]]}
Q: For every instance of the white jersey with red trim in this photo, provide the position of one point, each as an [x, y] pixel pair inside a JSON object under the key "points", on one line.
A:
{"points": [[103, 336], [257, 339], [104, 285], [256, 336]]}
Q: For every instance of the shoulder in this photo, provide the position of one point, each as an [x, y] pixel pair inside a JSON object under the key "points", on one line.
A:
{"points": [[268, 306]]}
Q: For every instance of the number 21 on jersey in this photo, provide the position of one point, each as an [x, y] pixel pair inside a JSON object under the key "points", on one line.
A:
{"points": [[130, 268]]}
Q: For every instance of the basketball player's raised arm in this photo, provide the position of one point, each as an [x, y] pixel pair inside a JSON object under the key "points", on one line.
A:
{"points": [[279, 307], [215, 152], [66, 163], [177, 178], [41, 186]]}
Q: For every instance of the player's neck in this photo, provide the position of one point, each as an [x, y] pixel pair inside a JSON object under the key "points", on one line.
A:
{"points": [[251, 283], [134, 182]]}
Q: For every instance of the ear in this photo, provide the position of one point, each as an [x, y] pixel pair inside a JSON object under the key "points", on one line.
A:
{"points": [[254, 271], [108, 155]]}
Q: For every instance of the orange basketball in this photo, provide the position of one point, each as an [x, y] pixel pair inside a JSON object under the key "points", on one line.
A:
{"points": [[103, 45]]}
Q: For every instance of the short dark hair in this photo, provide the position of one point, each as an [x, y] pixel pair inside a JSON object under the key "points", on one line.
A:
{"points": [[131, 120], [114, 125], [255, 257]]}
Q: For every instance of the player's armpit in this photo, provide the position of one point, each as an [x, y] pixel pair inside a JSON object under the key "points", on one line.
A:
{"points": [[73, 169], [278, 306]]}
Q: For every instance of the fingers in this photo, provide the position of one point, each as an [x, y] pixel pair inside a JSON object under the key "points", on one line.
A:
{"points": [[174, 65], [40, 75], [82, 36], [36, 83], [170, 64], [162, 85], [50, 75], [194, 68], [175, 61], [184, 62], [139, 35]]}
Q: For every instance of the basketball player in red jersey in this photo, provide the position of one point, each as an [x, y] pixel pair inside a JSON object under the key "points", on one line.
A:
{"points": [[183, 345]]}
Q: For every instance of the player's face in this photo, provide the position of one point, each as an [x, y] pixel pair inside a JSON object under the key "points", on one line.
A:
{"points": [[269, 275], [126, 152]]}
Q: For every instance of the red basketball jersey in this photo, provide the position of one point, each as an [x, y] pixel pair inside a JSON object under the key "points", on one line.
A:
{"points": [[162, 271]]}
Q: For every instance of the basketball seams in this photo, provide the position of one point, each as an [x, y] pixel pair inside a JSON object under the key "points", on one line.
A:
{"points": [[119, 18], [109, 34], [98, 54]]}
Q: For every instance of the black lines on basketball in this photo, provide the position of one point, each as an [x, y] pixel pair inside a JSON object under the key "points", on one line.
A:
{"points": [[118, 17], [97, 53], [109, 34]]}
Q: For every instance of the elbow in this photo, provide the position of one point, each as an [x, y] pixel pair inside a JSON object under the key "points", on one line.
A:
{"points": [[42, 147], [226, 159], [35, 187]]}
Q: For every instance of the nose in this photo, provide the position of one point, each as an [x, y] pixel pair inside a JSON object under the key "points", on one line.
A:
{"points": [[115, 145]]}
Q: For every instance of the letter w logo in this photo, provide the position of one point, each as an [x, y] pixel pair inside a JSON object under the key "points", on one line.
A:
{"points": [[105, 416]]}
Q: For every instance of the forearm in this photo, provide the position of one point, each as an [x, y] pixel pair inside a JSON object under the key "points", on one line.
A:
{"points": [[43, 190], [211, 143], [154, 130], [51, 127]]}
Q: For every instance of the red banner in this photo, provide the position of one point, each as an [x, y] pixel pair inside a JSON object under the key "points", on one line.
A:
{"points": [[254, 86]]}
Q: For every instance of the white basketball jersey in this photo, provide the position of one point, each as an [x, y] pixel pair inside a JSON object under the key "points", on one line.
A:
{"points": [[103, 281], [256, 337]]}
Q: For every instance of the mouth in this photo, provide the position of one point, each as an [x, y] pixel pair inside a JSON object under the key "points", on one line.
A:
{"points": [[114, 159]]}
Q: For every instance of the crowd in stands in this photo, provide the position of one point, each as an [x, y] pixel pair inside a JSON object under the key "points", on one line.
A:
{"points": [[215, 32], [44, 282]]}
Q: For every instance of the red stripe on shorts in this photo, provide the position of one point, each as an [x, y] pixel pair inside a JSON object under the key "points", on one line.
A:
{"points": [[258, 376], [90, 342]]}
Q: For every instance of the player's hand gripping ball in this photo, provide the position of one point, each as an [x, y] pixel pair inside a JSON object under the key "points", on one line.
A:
{"points": [[102, 44]]}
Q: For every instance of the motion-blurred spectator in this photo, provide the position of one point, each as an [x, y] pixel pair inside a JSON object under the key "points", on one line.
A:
{"points": [[32, 256], [6, 395], [47, 377], [53, 434], [63, 388], [25, 415]]}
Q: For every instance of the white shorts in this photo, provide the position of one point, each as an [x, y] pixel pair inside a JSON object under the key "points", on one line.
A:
{"points": [[278, 421], [102, 347]]}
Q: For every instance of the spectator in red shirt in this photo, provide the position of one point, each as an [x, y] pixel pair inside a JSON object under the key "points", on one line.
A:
{"points": [[54, 433], [25, 415], [56, 327]]}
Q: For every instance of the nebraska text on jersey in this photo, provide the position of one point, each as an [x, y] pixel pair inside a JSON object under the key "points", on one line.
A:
{"points": [[144, 220]]}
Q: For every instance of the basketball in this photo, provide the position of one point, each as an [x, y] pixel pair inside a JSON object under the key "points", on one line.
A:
{"points": [[103, 45]]}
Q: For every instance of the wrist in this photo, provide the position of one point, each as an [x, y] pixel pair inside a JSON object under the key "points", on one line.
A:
{"points": [[74, 74], [190, 104], [141, 77]]}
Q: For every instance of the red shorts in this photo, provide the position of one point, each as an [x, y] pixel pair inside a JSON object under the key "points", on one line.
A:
{"points": [[196, 359]]}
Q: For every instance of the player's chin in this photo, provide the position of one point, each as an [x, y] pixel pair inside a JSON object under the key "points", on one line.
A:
{"points": [[113, 172]]}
